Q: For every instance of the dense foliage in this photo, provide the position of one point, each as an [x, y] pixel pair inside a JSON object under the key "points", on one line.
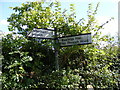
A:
{"points": [[30, 64]]}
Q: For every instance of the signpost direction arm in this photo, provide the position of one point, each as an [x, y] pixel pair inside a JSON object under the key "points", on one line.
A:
{"points": [[56, 50]]}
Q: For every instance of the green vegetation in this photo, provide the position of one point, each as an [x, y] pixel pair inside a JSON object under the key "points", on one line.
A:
{"points": [[29, 64]]}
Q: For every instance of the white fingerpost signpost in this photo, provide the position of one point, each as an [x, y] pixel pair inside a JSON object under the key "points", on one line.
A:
{"points": [[75, 40], [81, 39], [41, 33]]}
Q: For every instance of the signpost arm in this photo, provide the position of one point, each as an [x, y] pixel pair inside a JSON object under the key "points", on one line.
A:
{"points": [[56, 50]]}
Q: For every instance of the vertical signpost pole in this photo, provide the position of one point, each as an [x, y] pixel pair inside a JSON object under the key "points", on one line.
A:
{"points": [[56, 50]]}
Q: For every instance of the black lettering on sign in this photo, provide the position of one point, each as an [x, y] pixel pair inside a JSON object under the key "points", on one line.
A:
{"points": [[73, 42], [70, 39], [64, 39], [77, 37]]}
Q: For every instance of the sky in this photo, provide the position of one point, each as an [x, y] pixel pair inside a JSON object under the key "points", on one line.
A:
{"points": [[106, 10]]}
